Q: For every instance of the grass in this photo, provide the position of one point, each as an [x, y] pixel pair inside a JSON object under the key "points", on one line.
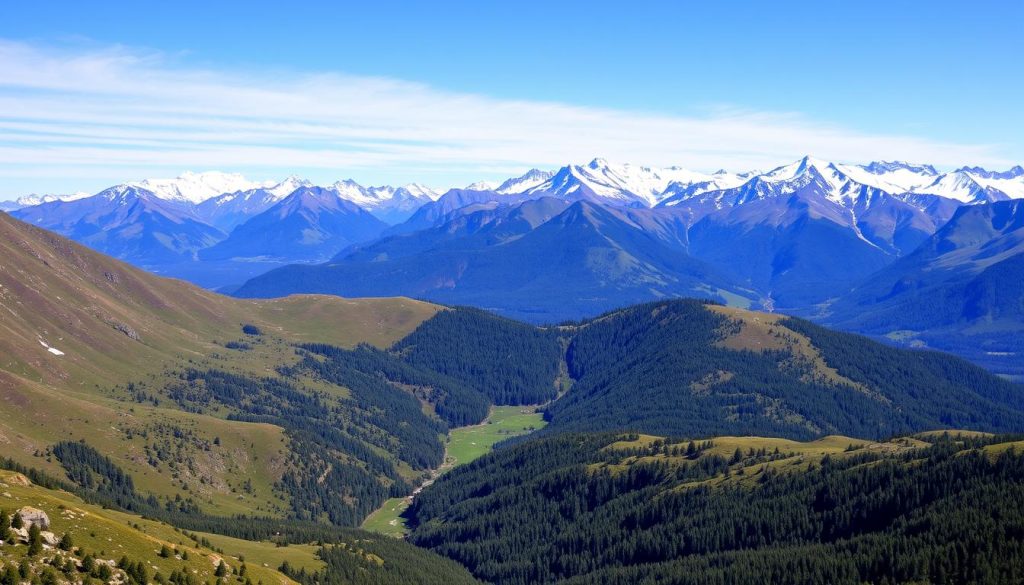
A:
{"points": [[388, 519], [732, 299], [997, 449], [763, 332], [109, 534], [465, 444], [299, 556], [468, 443], [901, 335]]}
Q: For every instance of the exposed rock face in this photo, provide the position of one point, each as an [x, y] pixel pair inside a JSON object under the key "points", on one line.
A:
{"points": [[18, 479], [34, 516], [127, 330]]}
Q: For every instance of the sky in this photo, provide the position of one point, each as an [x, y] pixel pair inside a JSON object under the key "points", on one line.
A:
{"points": [[447, 93]]}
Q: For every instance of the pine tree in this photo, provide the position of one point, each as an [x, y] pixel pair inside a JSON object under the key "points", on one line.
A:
{"points": [[35, 540], [104, 573], [737, 456], [65, 542]]}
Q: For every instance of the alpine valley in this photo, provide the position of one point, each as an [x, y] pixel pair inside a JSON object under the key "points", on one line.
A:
{"points": [[158, 432]]}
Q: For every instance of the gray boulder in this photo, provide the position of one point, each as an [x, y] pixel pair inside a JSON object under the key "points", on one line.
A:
{"points": [[34, 516]]}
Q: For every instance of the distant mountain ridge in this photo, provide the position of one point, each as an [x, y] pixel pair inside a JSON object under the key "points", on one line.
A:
{"points": [[772, 238], [164, 224], [961, 290], [540, 260], [128, 222], [623, 183], [310, 224], [801, 237]]}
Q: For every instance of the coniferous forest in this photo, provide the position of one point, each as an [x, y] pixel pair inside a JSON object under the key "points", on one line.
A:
{"points": [[667, 368], [576, 509]]}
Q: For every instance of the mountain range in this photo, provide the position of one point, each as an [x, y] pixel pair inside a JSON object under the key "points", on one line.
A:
{"points": [[550, 245]]}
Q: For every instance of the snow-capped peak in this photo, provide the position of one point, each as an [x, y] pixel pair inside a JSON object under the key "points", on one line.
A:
{"points": [[799, 168], [524, 182], [630, 184], [36, 199], [421, 191], [884, 167], [893, 177], [193, 187], [385, 196], [288, 186], [982, 173], [977, 185], [483, 186]]}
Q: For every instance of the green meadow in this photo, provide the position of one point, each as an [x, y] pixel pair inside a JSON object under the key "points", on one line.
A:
{"points": [[464, 445], [468, 443]]}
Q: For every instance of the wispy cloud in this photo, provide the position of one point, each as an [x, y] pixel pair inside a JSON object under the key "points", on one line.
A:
{"points": [[119, 113]]}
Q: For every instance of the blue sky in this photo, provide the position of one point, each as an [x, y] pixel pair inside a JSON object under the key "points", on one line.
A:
{"points": [[448, 93]]}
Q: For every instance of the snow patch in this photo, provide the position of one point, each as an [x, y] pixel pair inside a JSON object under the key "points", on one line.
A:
{"points": [[52, 350]]}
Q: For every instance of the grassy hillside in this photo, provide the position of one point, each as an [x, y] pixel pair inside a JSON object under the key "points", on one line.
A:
{"points": [[606, 508], [108, 535], [87, 344]]}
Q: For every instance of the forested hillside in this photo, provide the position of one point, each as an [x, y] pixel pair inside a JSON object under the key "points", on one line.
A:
{"points": [[638, 509], [687, 368], [508, 361]]}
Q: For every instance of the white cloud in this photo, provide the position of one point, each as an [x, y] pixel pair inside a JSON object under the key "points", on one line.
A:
{"points": [[119, 113]]}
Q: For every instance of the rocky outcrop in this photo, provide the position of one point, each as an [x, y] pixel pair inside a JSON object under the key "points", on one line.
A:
{"points": [[127, 330], [34, 516], [18, 479]]}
